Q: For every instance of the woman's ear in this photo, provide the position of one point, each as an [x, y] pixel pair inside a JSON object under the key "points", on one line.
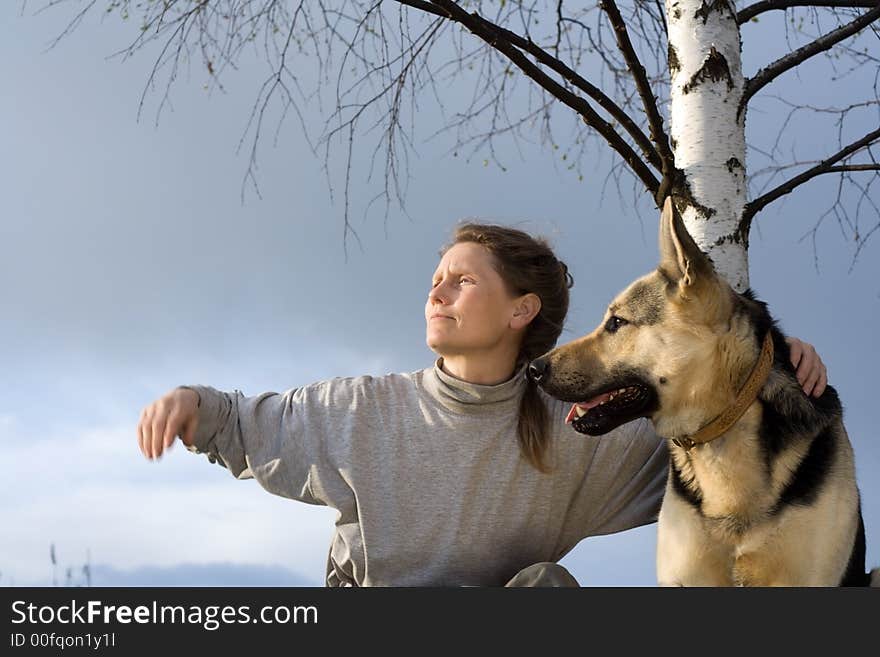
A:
{"points": [[526, 309]]}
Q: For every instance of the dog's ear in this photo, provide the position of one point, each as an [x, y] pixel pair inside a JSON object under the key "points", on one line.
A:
{"points": [[680, 258]]}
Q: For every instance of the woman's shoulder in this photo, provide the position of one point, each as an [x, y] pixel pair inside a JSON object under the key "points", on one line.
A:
{"points": [[366, 384]]}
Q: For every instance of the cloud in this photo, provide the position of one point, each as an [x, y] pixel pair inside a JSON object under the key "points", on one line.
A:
{"points": [[91, 493], [75, 477]]}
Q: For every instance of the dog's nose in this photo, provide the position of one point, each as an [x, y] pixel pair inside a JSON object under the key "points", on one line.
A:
{"points": [[538, 369]]}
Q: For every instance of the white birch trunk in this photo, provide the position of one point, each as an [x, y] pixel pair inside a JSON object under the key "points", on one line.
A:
{"points": [[708, 132]]}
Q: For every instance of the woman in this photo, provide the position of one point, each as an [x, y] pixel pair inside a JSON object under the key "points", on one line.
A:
{"points": [[422, 467]]}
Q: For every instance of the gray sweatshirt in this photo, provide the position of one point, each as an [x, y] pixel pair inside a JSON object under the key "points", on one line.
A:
{"points": [[426, 474]]}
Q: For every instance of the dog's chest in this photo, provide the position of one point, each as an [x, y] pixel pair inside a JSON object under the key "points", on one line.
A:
{"points": [[732, 483], [731, 477]]}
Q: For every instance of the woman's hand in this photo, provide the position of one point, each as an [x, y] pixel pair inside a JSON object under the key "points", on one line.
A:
{"points": [[811, 372], [177, 413]]}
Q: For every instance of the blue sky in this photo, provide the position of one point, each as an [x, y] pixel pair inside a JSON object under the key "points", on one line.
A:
{"points": [[130, 265]]}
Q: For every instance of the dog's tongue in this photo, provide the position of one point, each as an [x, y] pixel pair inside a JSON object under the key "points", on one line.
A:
{"points": [[586, 406]]}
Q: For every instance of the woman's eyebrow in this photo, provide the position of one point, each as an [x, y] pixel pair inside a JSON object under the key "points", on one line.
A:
{"points": [[455, 270]]}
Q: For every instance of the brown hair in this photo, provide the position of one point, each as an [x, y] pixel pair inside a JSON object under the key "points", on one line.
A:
{"points": [[528, 265]]}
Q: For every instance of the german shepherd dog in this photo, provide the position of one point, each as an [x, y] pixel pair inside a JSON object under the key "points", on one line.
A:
{"points": [[761, 488]]}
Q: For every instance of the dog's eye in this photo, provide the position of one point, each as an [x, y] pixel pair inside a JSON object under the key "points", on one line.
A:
{"points": [[614, 322]]}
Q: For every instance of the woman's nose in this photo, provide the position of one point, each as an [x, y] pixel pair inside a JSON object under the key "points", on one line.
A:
{"points": [[436, 294]]}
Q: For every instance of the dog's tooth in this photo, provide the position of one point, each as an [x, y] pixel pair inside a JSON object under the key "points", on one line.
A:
{"points": [[580, 411]]}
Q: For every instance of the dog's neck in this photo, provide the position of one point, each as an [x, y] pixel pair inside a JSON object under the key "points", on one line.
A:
{"points": [[718, 372], [745, 397]]}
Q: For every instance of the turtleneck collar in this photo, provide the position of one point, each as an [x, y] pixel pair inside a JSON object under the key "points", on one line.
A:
{"points": [[463, 397]]}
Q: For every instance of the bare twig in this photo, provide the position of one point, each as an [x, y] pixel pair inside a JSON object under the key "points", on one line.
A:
{"points": [[649, 102], [568, 74], [823, 43], [487, 31], [825, 166], [748, 13]]}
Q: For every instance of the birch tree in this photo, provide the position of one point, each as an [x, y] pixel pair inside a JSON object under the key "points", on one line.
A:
{"points": [[659, 86]]}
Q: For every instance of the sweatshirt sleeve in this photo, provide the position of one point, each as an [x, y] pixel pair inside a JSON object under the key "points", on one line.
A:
{"points": [[294, 444], [626, 479]]}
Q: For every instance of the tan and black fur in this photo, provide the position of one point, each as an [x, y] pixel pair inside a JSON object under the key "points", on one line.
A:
{"points": [[773, 500]]}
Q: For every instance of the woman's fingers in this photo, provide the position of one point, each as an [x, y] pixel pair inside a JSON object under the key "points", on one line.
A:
{"points": [[811, 372], [796, 350], [172, 429], [812, 381], [159, 422], [175, 414], [140, 433]]}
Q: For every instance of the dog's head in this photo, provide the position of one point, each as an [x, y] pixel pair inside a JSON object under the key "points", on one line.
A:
{"points": [[656, 352]]}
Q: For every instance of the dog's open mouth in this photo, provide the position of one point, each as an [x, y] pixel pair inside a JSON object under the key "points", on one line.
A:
{"points": [[610, 409]]}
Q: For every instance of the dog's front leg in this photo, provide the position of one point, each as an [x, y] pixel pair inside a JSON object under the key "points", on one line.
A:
{"points": [[686, 554]]}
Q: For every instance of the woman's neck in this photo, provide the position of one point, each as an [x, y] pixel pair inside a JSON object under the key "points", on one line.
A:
{"points": [[487, 371]]}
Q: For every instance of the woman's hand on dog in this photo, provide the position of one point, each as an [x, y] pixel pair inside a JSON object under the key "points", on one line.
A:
{"points": [[811, 372], [174, 414]]}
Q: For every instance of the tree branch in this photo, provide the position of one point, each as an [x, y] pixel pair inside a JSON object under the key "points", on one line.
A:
{"points": [[853, 167], [825, 166], [496, 37], [823, 43], [748, 13], [564, 71], [655, 121], [421, 5]]}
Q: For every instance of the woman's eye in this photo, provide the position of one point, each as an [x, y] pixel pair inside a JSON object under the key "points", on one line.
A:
{"points": [[614, 322], [465, 279]]}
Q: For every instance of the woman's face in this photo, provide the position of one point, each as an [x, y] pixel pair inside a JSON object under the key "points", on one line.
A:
{"points": [[469, 307]]}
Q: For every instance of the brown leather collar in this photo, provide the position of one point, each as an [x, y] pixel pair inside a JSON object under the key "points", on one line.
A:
{"points": [[744, 399]]}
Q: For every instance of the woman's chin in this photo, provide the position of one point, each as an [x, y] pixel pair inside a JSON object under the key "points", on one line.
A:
{"points": [[436, 347], [435, 342], [440, 347]]}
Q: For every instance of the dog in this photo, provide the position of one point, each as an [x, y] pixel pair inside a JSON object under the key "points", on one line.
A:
{"points": [[761, 488]]}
